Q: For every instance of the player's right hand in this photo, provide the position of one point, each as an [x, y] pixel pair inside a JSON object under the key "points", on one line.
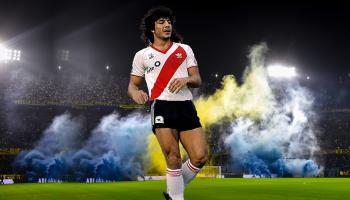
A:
{"points": [[140, 97]]}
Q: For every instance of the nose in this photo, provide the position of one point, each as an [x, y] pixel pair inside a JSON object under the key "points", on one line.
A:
{"points": [[167, 23]]}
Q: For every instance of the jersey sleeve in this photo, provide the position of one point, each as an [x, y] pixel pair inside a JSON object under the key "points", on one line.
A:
{"points": [[191, 60], [138, 68]]}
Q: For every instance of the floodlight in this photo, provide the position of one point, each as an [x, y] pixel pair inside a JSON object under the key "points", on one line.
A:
{"points": [[7, 55], [280, 71]]}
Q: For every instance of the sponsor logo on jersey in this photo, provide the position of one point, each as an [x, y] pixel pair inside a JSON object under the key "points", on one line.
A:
{"points": [[149, 69], [159, 120], [157, 63]]}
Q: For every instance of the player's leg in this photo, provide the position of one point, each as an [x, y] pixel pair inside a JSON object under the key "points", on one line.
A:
{"points": [[169, 142], [196, 146]]}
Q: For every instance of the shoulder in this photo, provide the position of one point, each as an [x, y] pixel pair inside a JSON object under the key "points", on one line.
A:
{"points": [[186, 47], [142, 52]]}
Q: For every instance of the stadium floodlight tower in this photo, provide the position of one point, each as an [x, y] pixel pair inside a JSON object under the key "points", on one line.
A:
{"points": [[7, 55], [281, 71]]}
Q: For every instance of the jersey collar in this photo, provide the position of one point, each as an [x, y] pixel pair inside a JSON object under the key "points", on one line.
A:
{"points": [[164, 51]]}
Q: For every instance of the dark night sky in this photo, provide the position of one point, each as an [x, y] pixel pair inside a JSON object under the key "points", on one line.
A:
{"points": [[314, 37]]}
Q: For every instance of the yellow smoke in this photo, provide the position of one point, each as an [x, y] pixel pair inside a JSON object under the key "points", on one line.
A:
{"points": [[155, 161], [251, 99]]}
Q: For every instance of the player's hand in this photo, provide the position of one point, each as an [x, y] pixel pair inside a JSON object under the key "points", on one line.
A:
{"points": [[177, 84], [140, 97]]}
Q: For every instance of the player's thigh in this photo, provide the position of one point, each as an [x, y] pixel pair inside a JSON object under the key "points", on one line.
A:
{"points": [[168, 140], [194, 142]]}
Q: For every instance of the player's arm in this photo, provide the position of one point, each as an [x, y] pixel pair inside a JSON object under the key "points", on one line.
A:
{"points": [[139, 96], [193, 80]]}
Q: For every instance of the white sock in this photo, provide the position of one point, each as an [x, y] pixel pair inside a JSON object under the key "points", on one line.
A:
{"points": [[175, 183], [189, 172]]}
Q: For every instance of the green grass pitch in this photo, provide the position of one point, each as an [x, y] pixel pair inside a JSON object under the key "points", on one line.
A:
{"points": [[236, 189]]}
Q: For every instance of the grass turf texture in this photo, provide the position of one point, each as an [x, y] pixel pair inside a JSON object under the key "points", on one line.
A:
{"points": [[237, 189]]}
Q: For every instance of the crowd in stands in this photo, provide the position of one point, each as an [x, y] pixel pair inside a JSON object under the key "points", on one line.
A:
{"points": [[64, 90]]}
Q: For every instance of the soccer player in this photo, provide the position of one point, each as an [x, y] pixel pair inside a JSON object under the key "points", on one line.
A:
{"points": [[170, 68]]}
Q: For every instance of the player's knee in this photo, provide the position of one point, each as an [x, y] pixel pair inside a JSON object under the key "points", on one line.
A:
{"points": [[200, 159], [173, 160]]}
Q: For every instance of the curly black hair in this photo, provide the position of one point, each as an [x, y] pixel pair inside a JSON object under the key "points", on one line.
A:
{"points": [[147, 24]]}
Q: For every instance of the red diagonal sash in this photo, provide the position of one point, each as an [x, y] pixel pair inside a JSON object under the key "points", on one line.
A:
{"points": [[169, 68]]}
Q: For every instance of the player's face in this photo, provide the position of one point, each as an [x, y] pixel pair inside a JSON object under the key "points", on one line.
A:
{"points": [[162, 28]]}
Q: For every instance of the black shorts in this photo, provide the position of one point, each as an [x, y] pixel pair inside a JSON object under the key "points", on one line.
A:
{"points": [[180, 115]]}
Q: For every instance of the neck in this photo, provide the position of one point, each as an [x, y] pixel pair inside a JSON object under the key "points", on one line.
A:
{"points": [[161, 44]]}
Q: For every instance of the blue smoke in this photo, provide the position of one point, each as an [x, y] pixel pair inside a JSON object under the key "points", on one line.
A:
{"points": [[114, 151], [51, 157], [116, 148], [282, 143]]}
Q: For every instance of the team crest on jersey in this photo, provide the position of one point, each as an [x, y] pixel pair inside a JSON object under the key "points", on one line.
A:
{"points": [[150, 56], [159, 120], [157, 63], [178, 55]]}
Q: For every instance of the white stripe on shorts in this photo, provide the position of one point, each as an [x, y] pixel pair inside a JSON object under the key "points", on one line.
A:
{"points": [[152, 112]]}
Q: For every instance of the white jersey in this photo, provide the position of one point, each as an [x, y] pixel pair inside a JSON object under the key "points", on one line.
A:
{"points": [[160, 67]]}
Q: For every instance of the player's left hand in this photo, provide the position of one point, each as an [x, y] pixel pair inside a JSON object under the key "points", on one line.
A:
{"points": [[177, 84]]}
